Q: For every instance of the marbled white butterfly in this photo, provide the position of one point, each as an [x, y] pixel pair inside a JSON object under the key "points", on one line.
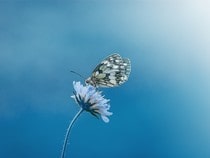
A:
{"points": [[111, 72]]}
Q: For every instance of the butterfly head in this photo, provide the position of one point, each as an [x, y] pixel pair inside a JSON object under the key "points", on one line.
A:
{"points": [[89, 81]]}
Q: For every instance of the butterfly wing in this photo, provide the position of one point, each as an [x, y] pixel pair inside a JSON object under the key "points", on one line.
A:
{"points": [[111, 72]]}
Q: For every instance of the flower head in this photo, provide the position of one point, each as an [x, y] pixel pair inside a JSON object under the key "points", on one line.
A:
{"points": [[91, 100]]}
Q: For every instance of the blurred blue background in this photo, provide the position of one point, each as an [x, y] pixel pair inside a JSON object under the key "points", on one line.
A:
{"points": [[162, 111]]}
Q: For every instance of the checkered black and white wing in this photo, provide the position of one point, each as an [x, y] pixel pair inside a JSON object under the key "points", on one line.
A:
{"points": [[111, 72]]}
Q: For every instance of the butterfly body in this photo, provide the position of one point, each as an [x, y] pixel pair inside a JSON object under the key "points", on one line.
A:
{"points": [[111, 72]]}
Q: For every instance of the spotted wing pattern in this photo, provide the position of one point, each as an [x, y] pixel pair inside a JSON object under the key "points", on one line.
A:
{"points": [[111, 72]]}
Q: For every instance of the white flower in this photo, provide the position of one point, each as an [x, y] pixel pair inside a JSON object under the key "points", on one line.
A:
{"points": [[91, 100]]}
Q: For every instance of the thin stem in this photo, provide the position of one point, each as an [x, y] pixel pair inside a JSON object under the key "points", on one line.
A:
{"points": [[68, 132]]}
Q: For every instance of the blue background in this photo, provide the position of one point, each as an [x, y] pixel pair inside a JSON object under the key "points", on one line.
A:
{"points": [[162, 111]]}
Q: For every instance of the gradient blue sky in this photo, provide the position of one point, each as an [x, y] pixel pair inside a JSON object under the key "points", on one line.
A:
{"points": [[162, 111]]}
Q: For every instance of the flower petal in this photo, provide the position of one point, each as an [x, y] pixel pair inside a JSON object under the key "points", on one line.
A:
{"points": [[105, 119]]}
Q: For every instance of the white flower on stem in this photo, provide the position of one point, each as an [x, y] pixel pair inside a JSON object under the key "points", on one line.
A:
{"points": [[91, 100]]}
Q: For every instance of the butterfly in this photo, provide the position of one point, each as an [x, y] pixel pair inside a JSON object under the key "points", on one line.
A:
{"points": [[111, 72]]}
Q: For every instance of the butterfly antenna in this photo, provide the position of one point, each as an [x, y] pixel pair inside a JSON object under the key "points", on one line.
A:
{"points": [[77, 74]]}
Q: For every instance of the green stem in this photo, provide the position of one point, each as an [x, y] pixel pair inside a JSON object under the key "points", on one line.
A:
{"points": [[68, 132]]}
